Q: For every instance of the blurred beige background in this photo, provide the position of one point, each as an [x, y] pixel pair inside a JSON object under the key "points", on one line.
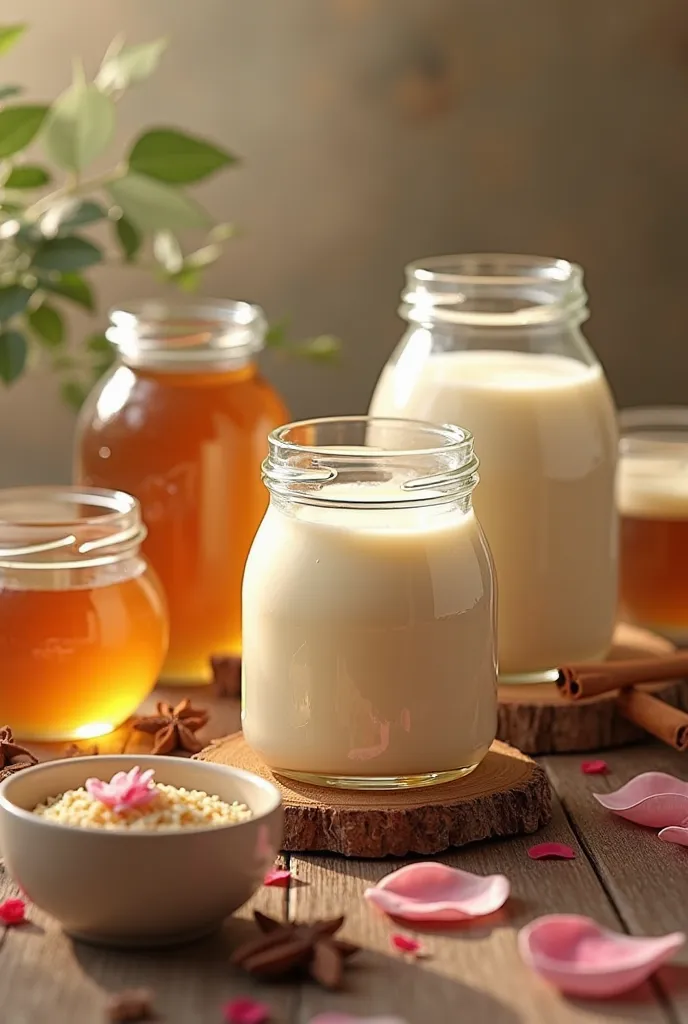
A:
{"points": [[376, 131]]}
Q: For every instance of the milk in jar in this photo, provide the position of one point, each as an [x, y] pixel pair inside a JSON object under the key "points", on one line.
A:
{"points": [[495, 344], [369, 636]]}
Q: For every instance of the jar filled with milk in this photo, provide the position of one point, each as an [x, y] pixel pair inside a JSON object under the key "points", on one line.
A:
{"points": [[369, 646], [495, 343]]}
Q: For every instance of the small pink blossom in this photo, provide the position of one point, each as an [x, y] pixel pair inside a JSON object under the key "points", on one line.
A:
{"points": [[125, 790], [551, 851], [405, 944], [277, 876], [13, 912], [594, 767], [246, 1011]]}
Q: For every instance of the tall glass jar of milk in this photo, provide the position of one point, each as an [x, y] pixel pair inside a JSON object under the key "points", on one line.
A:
{"points": [[495, 343], [369, 647]]}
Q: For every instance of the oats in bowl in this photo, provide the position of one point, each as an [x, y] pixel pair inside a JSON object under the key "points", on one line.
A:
{"points": [[132, 800]]}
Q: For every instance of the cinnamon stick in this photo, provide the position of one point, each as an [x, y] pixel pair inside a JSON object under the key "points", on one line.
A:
{"points": [[654, 716], [594, 678]]}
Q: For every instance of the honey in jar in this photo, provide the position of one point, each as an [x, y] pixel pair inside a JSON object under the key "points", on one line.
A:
{"points": [[83, 624], [181, 422], [652, 496]]}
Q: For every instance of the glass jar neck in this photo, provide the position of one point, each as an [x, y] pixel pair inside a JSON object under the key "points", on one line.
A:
{"points": [[494, 292], [187, 337], [55, 528], [361, 462]]}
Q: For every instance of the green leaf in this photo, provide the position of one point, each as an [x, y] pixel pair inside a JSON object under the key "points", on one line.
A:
{"points": [[276, 334], [73, 287], [9, 35], [323, 349], [13, 300], [47, 324], [129, 238], [153, 206], [68, 214], [79, 127], [175, 157], [65, 254], [98, 343], [129, 65], [74, 393], [188, 279], [27, 176], [7, 91], [12, 355], [18, 126]]}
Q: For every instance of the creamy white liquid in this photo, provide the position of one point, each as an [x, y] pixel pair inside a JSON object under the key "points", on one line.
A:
{"points": [[368, 639], [545, 434], [654, 484]]}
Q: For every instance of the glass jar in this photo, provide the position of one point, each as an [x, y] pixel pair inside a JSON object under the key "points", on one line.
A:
{"points": [[652, 497], [83, 624], [369, 633], [495, 343], [180, 422]]}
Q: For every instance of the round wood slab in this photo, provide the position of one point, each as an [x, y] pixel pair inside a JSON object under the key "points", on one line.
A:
{"points": [[538, 720], [506, 795]]}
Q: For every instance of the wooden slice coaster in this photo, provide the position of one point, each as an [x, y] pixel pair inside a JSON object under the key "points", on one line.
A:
{"points": [[537, 720], [506, 795]]}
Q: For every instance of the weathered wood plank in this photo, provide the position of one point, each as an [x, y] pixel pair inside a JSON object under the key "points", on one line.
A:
{"points": [[474, 972], [46, 978], [646, 878]]}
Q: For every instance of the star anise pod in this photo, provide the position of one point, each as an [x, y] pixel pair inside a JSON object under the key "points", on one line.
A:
{"points": [[72, 750], [226, 675], [286, 948], [13, 757], [131, 1004], [174, 728]]}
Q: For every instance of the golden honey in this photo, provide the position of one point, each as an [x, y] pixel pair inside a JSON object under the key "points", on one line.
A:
{"points": [[83, 626], [183, 426]]}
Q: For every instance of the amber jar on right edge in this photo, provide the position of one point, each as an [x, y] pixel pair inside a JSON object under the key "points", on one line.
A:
{"points": [[495, 343]]}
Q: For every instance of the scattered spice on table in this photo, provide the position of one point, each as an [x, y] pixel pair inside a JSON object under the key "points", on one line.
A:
{"points": [[131, 1004], [551, 851], [226, 675], [72, 750], [13, 757], [296, 948], [174, 728], [13, 911]]}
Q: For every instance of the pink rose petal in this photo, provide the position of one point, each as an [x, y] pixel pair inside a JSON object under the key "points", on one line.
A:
{"points": [[430, 891], [13, 911], [654, 799], [346, 1018], [594, 767], [125, 790], [246, 1011], [405, 944], [583, 959], [675, 834], [557, 851], [277, 876]]}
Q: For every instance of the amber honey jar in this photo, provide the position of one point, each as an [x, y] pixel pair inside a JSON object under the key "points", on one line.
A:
{"points": [[181, 422], [652, 496], [83, 623]]}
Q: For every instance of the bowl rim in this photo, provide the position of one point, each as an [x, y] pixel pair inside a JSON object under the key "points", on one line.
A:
{"points": [[132, 760]]}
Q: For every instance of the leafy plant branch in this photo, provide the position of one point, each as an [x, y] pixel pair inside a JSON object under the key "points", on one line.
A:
{"points": [[46, 248]]}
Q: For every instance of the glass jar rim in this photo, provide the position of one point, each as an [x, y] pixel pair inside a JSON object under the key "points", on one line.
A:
{"points": [[652, 430], [207, 333], [57, 538], [301, 471], [493, 290]]}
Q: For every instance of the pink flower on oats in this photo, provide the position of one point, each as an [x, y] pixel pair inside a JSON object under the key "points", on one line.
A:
{"points": [[13, 911], [125, 790]]}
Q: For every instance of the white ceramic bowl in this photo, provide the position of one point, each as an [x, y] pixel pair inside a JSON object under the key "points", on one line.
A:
{"points": [[138, 888]]}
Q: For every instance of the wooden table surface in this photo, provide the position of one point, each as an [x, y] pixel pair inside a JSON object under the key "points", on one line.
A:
{"points": [[623, 876]]}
